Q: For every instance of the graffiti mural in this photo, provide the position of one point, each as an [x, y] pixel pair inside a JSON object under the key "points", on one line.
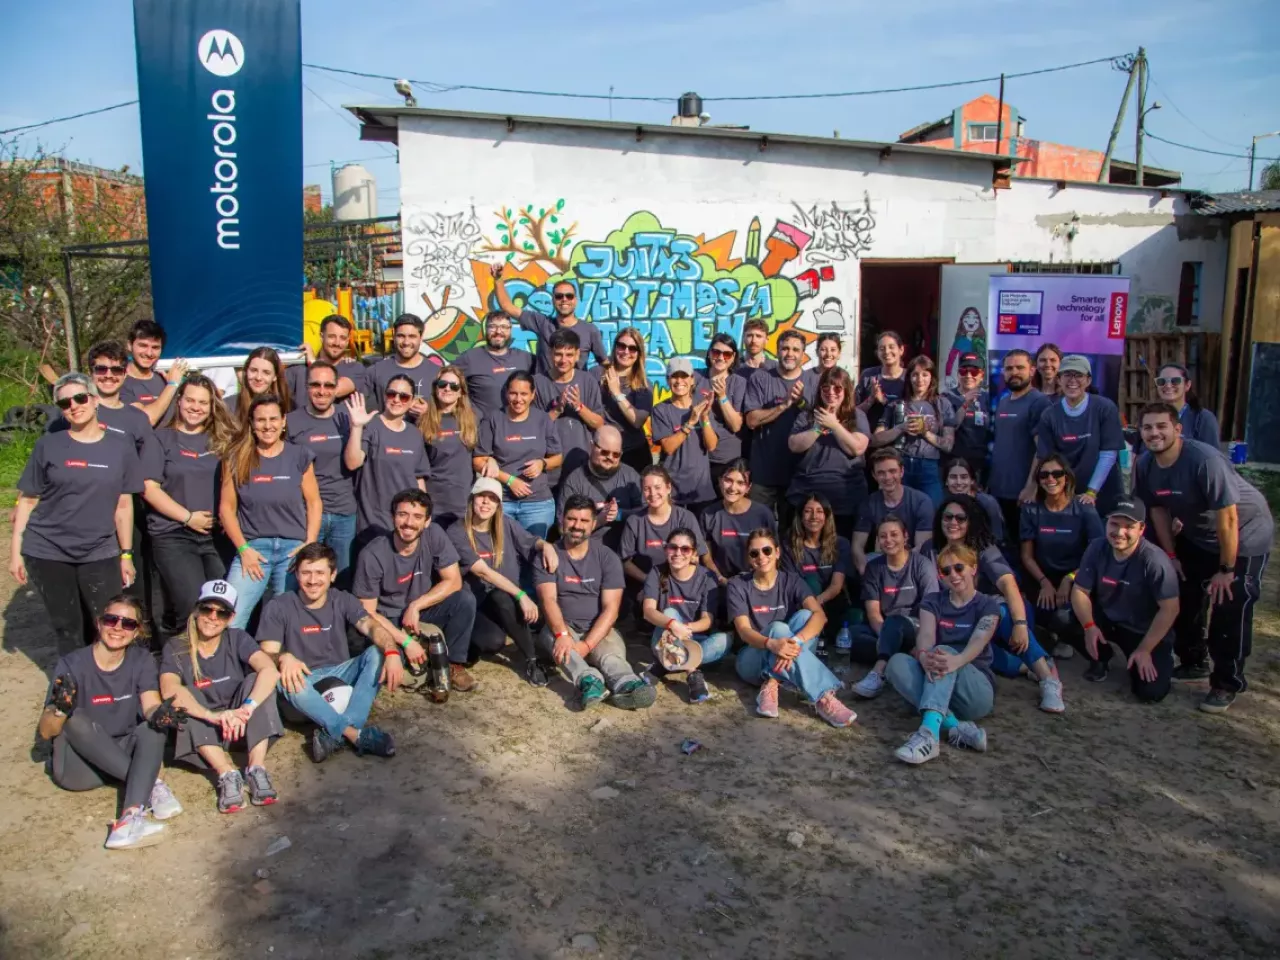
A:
{"points": [[837, 234], [441, 245]]}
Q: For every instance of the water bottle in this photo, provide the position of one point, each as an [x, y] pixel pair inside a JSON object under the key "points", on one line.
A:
{"points": [[820, 650], [438, 667], [844, 642]]}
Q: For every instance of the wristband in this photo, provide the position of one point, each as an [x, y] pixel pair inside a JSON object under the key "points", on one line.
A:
{"points": [[619, 399], [1171, 554], [723, 400], [242, 548], [669, 623], [705, 424], [393, 652], [817, 430], [190, 514], [1090, 492], [1090, 625], [249, 702], [407, 640], [126, 554], [520, 594], [511, 478], [1019, 623], [559, 634]]}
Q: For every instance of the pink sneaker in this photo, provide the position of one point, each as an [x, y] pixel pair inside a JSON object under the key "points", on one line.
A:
{"points": [[833, 711], [767, 699]]}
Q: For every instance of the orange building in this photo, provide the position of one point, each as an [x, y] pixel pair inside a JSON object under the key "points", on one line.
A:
{"points": [[71, 187], [976, 125]]}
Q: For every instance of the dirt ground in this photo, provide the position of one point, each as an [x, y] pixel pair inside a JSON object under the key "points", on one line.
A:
{"points": [[510, 826]]}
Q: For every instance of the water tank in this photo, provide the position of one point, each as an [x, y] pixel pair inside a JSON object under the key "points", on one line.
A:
{"points": [[690, 105], [355, 193]]}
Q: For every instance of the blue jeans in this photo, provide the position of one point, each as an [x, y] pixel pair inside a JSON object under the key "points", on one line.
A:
{"points": [[967, 692], [807, 673], [338, 530], [536, 516], [275, 568], [897, 635], [360, 673], [1003, 660], [714, 645], [922, 474]]}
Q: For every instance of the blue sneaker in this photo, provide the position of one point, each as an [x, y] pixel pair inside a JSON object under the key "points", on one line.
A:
{"points": [[322, 746], [590, 692], [377, 742]]}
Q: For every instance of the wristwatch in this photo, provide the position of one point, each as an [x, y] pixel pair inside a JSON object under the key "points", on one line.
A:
{"points": [[1225, 568]]}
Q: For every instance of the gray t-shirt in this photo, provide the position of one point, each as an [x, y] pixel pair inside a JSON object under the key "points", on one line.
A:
{"points": [[220, 674], [270, 504], [689, 466], [955, 624], [79, 486], [111, 698], [326, 439], [762, 607], [991, 507], [394, 460], [1081, 439], [579, 583], [915, 510], [317, 637], [992, 565], [1014, 442], [644, 541], [140, 390], [1060, 537], [1197, 485], [296, 377], [451, 471], [378, 378], [728, 444], [937, 415], [394, 580], [641, 400], [772, 461], [622, 486], [899, 592], [519, 547], [1200, 425], [487, 374], [575, 438], [727, 534], [1129, 591], [811, 564], [689, 598], [973, 426], [514, 443], [825, 468], [123, 421], [187, 470], [543, 327]]}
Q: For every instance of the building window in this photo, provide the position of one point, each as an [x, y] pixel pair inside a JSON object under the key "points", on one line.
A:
{"points": [[982, 132], [1102, 269], [1189, 294]]}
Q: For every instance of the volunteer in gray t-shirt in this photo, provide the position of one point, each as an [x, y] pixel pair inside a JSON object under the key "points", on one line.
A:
{"points": [[628, 396], [1085, 428], [607, 481], [1013, 437], [388, 452], [450, 429], [564, 301], [914, 508], [571, 398], [775, 398], [488, 365], [727, 389], [683, 431], [831, 440]]}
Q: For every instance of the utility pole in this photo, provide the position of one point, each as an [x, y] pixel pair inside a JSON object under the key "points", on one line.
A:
{"points": [[1141, 66], [1253, 152], [1128, 65]]}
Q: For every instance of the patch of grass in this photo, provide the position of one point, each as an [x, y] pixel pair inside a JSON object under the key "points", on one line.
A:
{"points": [[13, 457], [1267, 481]]}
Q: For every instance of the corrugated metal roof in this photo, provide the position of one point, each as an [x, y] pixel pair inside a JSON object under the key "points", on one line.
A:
{"points": [[1248, 201]]}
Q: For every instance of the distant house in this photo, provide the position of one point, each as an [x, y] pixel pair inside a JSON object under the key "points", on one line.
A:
{"points": [[975, 126]]}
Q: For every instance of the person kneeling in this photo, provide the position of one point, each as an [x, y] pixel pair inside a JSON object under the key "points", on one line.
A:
{"points": [[677, 601], [227, 686], [581, 599], [778, 617], [98, 712], [306, 632], [948, 678]]}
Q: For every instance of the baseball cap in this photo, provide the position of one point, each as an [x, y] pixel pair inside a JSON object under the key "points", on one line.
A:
{"points": [[1130, 507], [220, 591], [487, 485], [1075, 363], [970, 360], [679, 365]]}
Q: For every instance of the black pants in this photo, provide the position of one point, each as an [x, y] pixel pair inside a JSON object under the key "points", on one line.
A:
{"points": [[498, 616], [86, 757], [1061, 622], [1229, 639], [455, 615], [185, 561], [775, 498], [264, 724], [637, 458], [1152, 691], [72, 590]]}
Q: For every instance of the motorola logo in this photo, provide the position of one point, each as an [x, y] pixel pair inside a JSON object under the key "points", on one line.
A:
{"points": [[221, 53]]}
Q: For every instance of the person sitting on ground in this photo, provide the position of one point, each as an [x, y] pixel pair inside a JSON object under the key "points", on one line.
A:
{"points": [[777, 616], [893, 585], [227, 686], [948, 677], [493, 550], [305, 632], [581, 599], [644, 536], [1126, 595], [99, 713], [914, 508], [607, 482], [411, 577], [961, 520], [822, 559], [1056, 531], [958, 477], [677, 601]]}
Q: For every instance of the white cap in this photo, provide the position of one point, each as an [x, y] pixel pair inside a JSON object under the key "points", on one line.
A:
{"points": [[487, 485], [219, 590]]}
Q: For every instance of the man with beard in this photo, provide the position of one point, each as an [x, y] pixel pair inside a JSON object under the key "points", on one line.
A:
{"points": [[335, 342], [571, 398], [143, 387], [1014, 435], [411, 576], [774, 400], [487, 366], [564, 299], [580, 602], [607, 482], [1221, 549], [755, 336], [408, 361]]}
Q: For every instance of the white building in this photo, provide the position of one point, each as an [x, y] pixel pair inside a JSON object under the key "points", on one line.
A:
{"points": [[686, 231]]}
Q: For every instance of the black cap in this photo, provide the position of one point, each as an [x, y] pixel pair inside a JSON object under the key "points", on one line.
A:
{"points": [[1130, 507], [970, 360]]}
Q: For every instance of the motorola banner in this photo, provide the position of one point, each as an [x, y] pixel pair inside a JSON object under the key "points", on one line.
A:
{"points": [[220, 93]]}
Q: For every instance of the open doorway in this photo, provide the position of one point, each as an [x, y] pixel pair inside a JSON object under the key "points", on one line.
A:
{"points": [[900, 295]]}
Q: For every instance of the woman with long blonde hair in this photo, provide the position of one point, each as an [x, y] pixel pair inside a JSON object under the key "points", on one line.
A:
{"points": [[449, 428], [628, 397], [262, 375]]}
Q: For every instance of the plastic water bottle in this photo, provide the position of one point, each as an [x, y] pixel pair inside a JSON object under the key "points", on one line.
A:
{"points": [[844, 642], [821, 650]]}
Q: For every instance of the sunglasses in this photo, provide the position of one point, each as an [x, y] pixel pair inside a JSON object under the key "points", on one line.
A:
{"points": [[723, 354], [103, 369], [953, 568], [608, 454], [1052, 474], [399, 395], [564, 296], [78, 399], [1169, 381], [215, 610], [970, 371], [681, 548], [449, 385], [760, 552], [115, 620], [321, 385], [955, 517], [623, 347]]}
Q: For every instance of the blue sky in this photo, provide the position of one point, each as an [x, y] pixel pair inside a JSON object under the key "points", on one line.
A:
{"points": [[1213, 67]]}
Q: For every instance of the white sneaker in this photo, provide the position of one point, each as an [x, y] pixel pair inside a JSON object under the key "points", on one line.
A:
{"points": [[967, 735], [920, 747], [134, 830], [869, 687], [1051, 696], [1063, 651], [163, 803]]}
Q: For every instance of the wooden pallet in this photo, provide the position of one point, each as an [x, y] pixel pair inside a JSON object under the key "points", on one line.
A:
{"points": [[1145, 353]]}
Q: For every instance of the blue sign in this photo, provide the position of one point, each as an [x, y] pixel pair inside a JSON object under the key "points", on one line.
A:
{"points": [[220, 93]]}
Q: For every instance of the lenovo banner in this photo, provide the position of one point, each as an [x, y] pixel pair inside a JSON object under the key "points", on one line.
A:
{"points": [[220, 93]]}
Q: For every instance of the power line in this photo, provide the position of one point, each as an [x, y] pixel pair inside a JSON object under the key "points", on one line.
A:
{"points": [[74, 116], [1216, 153], [325, 163], [1178, 109]]}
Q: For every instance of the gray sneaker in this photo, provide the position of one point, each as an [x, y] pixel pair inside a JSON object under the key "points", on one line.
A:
{"points": [[1063, 651], [134, 829], [1051, 696], [869, 687], [163, 803], [261, 792], [967, 735], [230, 792], [921, 747]]}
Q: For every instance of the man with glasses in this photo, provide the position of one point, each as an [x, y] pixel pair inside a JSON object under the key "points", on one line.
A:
{"points": [[321, 425], [108, 364], [487, 366], [564, 299], [973, 420], [607, 482], [335, 343], [1013, 434], [571, 398], [143, 387], [408, 361], [774, 399]]}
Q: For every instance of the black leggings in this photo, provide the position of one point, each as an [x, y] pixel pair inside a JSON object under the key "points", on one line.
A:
{"points": [[69, 591], [498, 616], [86, 757], [185, 561]]}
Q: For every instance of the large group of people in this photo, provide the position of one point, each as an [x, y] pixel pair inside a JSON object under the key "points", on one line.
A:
{"points": [[331, 529]]}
